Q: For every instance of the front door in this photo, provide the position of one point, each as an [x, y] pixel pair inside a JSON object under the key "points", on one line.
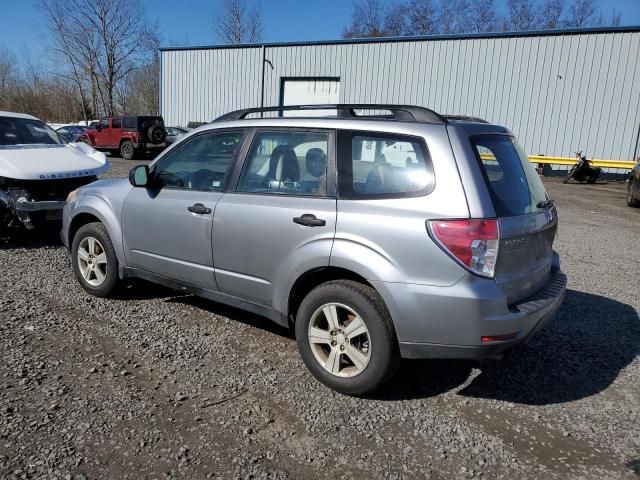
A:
{"points": [[167, 228], [280, 220], [103, 134]]}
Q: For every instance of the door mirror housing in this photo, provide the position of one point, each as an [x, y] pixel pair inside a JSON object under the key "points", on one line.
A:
{"points": [[139, 176], [98, 128]]}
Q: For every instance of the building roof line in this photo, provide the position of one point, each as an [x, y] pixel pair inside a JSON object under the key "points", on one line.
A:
{"points": [[417, 38]]}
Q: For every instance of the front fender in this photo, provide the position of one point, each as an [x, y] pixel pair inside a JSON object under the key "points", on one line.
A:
{"points": [[103, 211]]}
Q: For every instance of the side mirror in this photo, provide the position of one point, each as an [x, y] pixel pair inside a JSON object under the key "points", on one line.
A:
{"points": [[98, 128], [139, 176]]}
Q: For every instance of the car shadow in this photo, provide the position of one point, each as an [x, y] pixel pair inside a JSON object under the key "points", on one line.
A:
{"points": [[235, 314], [634, 466], [579, 354], [47, 236]]}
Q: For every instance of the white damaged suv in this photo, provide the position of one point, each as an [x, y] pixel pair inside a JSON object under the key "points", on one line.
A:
{"points": [[38, 170]]}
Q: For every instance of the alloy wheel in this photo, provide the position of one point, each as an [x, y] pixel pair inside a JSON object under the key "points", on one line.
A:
{"points": [[92, 261], [339, 340]]}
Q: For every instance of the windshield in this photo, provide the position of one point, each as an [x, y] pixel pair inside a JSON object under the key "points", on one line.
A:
{"points": [[26, 131], [514, 185]]}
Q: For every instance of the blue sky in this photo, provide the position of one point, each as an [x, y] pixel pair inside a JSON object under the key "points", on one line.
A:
{"points": [[190, 21]]}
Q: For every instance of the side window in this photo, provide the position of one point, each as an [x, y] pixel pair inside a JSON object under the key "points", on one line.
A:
{"points": [[104, 123], [293, 163], [200, 163], [130, 123], [383, 165], [116, 123]]}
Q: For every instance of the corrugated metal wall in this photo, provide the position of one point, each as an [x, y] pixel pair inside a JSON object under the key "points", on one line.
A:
{"points": [[558, 93]]}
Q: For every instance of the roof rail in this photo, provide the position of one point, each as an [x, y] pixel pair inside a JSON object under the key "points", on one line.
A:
{"points": [[465, 118], [407, 113]]}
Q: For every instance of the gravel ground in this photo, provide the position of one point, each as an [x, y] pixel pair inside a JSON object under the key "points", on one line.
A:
{"points": [[156, 384]]}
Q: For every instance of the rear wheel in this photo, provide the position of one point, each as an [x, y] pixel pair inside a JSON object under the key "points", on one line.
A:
{"points": [[631, 200], [94, 260], [346, 338], [126, 150]]}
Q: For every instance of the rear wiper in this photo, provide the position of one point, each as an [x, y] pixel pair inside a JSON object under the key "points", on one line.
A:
{"points": [[545, 204]]}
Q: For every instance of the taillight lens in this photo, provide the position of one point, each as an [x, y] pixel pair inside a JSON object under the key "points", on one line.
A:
{"points": [[473, 242]]}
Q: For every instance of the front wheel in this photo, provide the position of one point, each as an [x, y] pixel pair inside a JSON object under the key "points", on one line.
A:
{"points": [[570, 174], [346, 337], [94, 260], [631, 200], [126, 150]]}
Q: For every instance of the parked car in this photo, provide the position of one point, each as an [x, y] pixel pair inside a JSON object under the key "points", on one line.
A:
{"points": [[173, 133], [407, 234], [38, 170], [633, 186], [71, 133], [127, 136]]}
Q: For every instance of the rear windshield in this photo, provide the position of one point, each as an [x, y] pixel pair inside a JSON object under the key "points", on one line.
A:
{"points": [[26, 131], [513, 183]]}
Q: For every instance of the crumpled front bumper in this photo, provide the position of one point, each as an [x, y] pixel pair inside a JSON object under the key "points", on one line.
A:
{"points": [[35, 206]]}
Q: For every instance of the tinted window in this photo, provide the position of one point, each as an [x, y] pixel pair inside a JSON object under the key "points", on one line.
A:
{"points": [[513, 183], [104, 123], [130, 123], [293, 163], [116, 123], [25, 131], [383, 165], [200, 163]]}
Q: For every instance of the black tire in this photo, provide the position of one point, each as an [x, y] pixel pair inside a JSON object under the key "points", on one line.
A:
{"points": [[156, 134], [127, 151], [97, 231], [384, 356], [631, 200]]}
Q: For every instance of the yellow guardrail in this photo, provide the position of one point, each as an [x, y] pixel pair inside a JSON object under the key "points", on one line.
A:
{"points": [[570, 161], [625, 164]]}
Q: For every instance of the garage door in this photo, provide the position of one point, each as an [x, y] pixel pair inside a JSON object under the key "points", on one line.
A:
{"points": [[310, 92]]}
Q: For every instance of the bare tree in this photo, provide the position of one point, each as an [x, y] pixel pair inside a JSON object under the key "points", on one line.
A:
{"points": [[101, 40], [367, 20], [395, 20], [453, 16], [616, 19], [551, 14], [8, 76], [238, 22], [521, 15], [583, 13], [421, 17], [482, 16]]}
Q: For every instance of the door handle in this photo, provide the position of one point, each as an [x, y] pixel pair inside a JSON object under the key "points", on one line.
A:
{"points": [[309, 220], [199, 209]]}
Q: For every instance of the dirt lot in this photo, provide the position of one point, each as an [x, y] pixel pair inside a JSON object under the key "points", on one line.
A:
{"points": [[160, 385]]}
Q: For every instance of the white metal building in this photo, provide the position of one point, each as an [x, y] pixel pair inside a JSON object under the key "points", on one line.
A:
{"points": [[559, 91]]}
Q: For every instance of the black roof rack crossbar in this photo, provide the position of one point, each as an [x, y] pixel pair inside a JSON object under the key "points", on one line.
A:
{"points": [[408, 113]]}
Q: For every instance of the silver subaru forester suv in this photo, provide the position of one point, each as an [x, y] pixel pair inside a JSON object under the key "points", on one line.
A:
{"points": [[377, 232]]}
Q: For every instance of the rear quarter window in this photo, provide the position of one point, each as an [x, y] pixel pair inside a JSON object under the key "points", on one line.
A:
{"points": [[382, 165], [513, 183]]}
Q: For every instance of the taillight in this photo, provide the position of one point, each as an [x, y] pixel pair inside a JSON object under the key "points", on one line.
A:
{"points": [[472, 242]]}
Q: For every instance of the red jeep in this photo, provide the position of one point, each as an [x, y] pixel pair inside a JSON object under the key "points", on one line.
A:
{"points": [[127, 135]]}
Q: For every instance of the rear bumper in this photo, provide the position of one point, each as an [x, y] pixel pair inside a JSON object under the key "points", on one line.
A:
{"points": [[451, 325]]}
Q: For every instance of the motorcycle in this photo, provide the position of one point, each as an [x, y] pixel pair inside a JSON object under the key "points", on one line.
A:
{"points": [[582, 170]]}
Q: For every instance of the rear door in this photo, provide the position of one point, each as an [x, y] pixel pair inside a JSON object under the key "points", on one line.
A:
{"points": [[115, 132], [528, 222], [280, 220]]}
